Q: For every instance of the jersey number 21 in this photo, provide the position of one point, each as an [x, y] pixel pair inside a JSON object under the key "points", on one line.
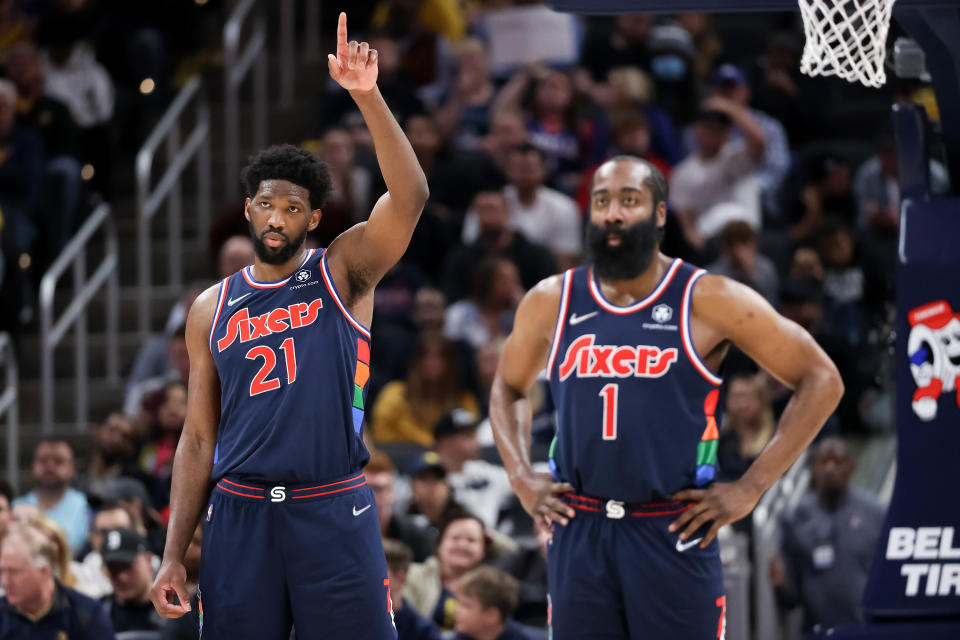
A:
{"points": [[261, 383]]}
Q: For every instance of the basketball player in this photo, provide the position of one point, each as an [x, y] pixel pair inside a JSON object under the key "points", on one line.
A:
{"points": [[279, 362], [632, 345]]}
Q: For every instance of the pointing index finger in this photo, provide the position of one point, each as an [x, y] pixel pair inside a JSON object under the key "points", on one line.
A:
{"points": [[342, 37]]}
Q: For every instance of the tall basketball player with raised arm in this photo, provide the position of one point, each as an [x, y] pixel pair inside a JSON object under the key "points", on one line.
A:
{"points": [[279, 361], [632, 345]]}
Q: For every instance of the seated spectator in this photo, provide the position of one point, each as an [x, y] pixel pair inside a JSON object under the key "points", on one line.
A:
{"points": [[570, 139], [59, 202], [730, 82], [478, 483], [406, 410], [508, 128], [821, 190], [398, 337], [410, 624], [806, 263], [462, 546], [128, 562], [21, 177], [78, 80], [167, 409], [111, 453], [495, 237], [717, 183], [707, 45], [671, 65], [413, 532], [779, 89], [844, 282], [91, 571], [431, 496], [625, 46], [631, 136], [54, 470], [529, 567], [748, 425], [34, 605], [464, 117], [349, 201], [740, 259], [453, 175], [828, 542], [141, 384], [487, 315], [486, 598], [235, 253], [63, 570]]}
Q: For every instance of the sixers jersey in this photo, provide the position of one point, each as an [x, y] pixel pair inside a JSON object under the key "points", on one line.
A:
{"points": [[636, 406], [293, 367]]}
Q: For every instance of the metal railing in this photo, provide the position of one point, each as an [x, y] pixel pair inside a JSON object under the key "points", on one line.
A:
{"points": [[169, 190], [74, 256], [780, 499], [237, 65], [9, 406]]}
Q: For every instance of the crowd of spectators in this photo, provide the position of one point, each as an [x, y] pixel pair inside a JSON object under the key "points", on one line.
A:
{"points": [[763, 189]]}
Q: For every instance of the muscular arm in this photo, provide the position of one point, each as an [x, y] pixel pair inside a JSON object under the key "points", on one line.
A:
{"points": [[787, 352], [724, 310], [524, 356], [360, 256], [194, 457]]}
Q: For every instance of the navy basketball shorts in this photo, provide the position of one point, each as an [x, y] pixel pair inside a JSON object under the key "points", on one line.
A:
{"points": [[616, 573], [307, 555]]}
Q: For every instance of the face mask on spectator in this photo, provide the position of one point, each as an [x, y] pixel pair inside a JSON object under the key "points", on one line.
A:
{"points": [[669, 68]]}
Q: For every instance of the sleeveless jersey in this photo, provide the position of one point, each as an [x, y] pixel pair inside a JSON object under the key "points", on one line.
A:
{"points": [[636, 405], [293, 367]]}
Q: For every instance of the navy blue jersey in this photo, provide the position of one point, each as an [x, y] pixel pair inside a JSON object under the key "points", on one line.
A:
{"points": [[293, 367], [636, 406]]}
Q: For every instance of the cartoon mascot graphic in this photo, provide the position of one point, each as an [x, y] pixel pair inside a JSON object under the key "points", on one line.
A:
{"points": [[934, 351]]}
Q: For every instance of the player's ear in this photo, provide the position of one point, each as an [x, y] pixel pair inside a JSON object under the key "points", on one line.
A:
{"points": [[661, 213], [315, 216], [246, 209]]}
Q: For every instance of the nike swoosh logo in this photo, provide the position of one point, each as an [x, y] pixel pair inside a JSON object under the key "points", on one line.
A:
{"points": [[356, 512], [575, 319], [233, 301], [683, 546]]}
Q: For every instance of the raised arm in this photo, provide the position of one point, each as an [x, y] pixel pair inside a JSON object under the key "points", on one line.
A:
{"points": [[727, 310], [193, 460], [360, 256], [523, 357]]}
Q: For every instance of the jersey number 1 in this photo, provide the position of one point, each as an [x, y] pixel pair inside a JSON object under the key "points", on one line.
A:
{"points": [[260, 383], [609, 394]]}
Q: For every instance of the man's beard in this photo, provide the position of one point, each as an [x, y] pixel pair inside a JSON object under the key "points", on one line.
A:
{"points": [[281, 254], [638, 246]]}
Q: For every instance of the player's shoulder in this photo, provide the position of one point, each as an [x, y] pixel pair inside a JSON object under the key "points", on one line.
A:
{"points": [[539, 305], [204, 308], [712, 289]]}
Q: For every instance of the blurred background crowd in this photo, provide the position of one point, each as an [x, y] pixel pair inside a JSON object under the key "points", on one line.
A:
{"points": [[783, 182]]}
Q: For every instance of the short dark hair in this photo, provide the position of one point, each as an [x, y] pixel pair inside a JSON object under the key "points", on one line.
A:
{"points": [[290, 163], [399, 556], [6, 491], [658, 185], [56, 440], [737, 232], [492, 588]]}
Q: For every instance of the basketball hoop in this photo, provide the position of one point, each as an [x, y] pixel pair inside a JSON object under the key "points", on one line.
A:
{"points": [[846, 38]]}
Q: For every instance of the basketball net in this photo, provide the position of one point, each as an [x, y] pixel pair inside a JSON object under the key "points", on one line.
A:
{"points": [[846, 38]]}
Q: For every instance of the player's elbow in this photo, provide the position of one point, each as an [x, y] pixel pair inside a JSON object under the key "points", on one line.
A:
{"points": [[830, 381]]}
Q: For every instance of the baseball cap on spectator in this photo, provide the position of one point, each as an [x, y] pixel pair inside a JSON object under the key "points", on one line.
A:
{"points": [[122, 546], [457, 421], [728, 74], [670, 38], [428, 463]]}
